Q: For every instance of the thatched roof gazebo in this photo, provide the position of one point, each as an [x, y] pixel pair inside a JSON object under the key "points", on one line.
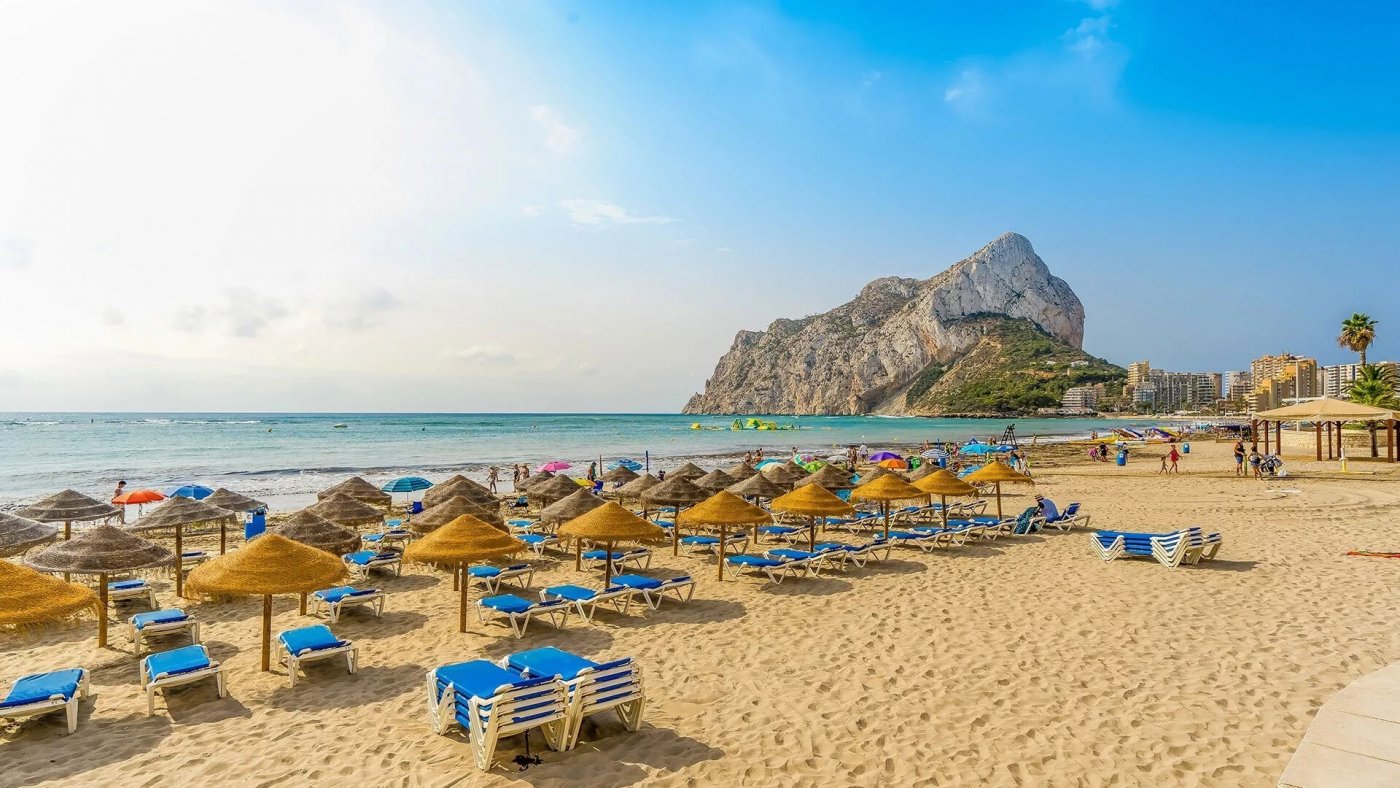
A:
{"points": [[529, 482], [756, 486], [812, 501], [268, 565], [944, 483], [29, 598], [831, 478], [885, 489], [68, 507], [785, 475], [996, 472], [447, 511], [551, 490], [18, 534], [620, 475], [575, 504], [357, 488], [346, 511], [176, 513], [458, 544], [714, 481], [687, 471], [723, 510], [741, 470], [102, 551], [608, 524], [234, 502], [678, 492], [313, 530], [1324, 411], [458, 486]]}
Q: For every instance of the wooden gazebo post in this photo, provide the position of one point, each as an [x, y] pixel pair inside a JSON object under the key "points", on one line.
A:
{"points": [[1317, 428]]}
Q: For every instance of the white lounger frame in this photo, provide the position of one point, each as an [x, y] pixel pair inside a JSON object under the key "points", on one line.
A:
{"points": [[558, 616], [493, 583], [619, 598], [335, 609], [682, 588], [549, 699], [295, 661], [53, 703], [138, 636], [147, 592], [163, 681], [363, 570]]}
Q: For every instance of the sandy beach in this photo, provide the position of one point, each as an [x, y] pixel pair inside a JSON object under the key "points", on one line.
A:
{"points": [[1020, 662]]}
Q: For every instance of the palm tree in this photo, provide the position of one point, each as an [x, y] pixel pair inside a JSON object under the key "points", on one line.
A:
{"points": [[1374, 386], [1358, 332]]}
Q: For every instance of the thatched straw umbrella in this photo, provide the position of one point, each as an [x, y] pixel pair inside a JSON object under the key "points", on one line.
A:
{"points": [[346, 511], [634, 489], [742, 470], [457, 486], [885, 489], [873, 474], [177, 513], [608, 524], [722, 510], [997, 472], [677, 491], [29, 598], [756, 486], [68, 507], [551, 490], [687, 471], [785, 475], [270, 564], [449, 510], [812, 501], [313, 530], [831, 478], [575, 504], [359, 489], [714, 481], [18, 534], [539, 478], [944, 483], [234, 502], [458, 544], [101, 551], [620, 475]]}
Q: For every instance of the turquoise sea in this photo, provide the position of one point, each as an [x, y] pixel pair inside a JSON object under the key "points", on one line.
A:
{"points": [[286, 456]]}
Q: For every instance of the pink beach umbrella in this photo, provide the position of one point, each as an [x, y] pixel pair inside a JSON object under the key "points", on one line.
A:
{"points": [[554, 467]]}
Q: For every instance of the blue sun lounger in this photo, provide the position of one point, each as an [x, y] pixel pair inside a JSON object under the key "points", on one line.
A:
{"points": [[365, 561], [815, 559], [591, 687], [620, 558], [161, 622], [517, 611], [339, 598], [586, 600], [775, 569], [711, 544], [1188, 545], [493, 576], [127, 590], [179, 666], [45, 693], [490, 702], [653, 590], [309, 644], [538, 542]]}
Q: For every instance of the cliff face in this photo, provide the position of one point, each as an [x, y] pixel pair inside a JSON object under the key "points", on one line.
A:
{"points": [[863, 356]]}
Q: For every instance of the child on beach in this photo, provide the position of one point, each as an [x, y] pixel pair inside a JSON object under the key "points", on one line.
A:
{"points": [[1163, 469], [1254, 460]]}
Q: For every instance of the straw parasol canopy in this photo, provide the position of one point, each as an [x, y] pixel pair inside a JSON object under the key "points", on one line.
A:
{"points": [[18, 534], [831, 478], [873, 474], [723, 510], [756, 486], [551, 490], [459, 543], [688, 471], [457, 486], [621, 474], [346, 511], [179, 512], [714, 481], [885, 489], [357, 488], [234, 502], [101, 551], [575, 504], [926, 469], [29, 598], [316, 531], [996, 472], [637, 486], [785, 475], [677, 491], [449, 510], [527, 483], [609, 524], [944, 483], [270, 564], [812, 501], [68, 507], [742, 470]]}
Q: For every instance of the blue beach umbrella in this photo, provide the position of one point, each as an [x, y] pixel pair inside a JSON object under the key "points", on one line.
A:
{"points": [[983, 448], [407, 484], [196, 491], [626, 462]]}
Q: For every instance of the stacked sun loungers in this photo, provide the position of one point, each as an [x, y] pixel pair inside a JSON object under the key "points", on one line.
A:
{"points": [[1186, 546]]}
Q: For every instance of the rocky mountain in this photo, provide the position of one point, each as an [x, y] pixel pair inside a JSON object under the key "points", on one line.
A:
{"points": [[909, 346]]}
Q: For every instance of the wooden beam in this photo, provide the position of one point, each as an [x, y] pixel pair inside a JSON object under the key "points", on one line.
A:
{"points": [[1317, 428]]}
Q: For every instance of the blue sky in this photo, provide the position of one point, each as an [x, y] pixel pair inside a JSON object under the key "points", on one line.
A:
{"points": [[551, 206]]}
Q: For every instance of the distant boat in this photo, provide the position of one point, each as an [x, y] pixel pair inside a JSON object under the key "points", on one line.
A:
{"points": [[339, 426]]}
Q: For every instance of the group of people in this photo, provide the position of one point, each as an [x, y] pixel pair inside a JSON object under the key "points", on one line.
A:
{"points": [[1260, 465]]}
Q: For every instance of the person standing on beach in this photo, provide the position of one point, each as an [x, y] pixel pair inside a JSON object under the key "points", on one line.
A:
{"points": [[492, 476], [1163, 469], [1239, 458], [121, 487], [1175, 457], [1254, 460], [592, 471]]}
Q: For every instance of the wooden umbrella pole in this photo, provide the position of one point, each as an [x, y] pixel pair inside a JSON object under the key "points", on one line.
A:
{"points": [[102, 611], [812, 523], [998, 500], [462, 613], [456, 578], [676, 531], [301, 608], [720, 553], [943, 500], [607, 565], [885, 509], [267, 633], [223, 543], [180, 569], [68, 534], [578, 554]]}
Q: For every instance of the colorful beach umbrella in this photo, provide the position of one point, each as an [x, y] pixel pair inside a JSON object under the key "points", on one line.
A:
{"points": [[196, 491], [554, 467], [884, 455], [137, 497], [625, 462], [407, 484], [894, 464]]}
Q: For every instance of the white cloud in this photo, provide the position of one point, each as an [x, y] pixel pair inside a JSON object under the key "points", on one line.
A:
{"points": [[244, 314], [363, 310], [530, 211], [869, 78], [491, 355], [559, 137], [599, 212], [1089, 37], [14, 253], [724, 250], [968, 87]]}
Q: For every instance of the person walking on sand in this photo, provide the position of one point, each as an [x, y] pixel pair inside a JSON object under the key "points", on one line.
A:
{"points": [[117, 493], [1239, 458], [1254, 461], [1163, 469], [492, 476], [1175, 457]]}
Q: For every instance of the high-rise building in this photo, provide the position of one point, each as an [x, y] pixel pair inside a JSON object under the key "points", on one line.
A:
{"points": [[1336, 379], [1081, 398], [1138, 372], [1282, 377], [1164, 390], [1238, 385]]}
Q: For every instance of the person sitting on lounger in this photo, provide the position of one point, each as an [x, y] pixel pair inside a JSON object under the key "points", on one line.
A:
{"points": [[1044, 507]]}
